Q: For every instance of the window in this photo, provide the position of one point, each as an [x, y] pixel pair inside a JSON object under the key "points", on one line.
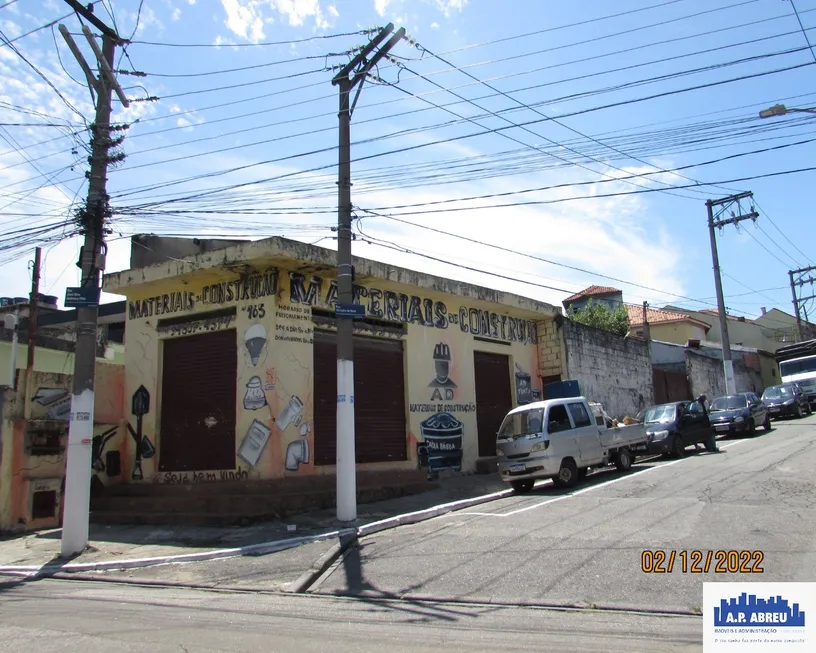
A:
{"points": [[579, 415], [695, 408], [44, 504], [558, 420]]}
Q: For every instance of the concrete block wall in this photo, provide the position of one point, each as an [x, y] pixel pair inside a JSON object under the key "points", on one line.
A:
{"points": [[707, 377], [613, 370], [550, 359]]}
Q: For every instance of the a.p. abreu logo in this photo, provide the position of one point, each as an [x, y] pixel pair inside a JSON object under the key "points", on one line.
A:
{"points": [[750, 611]]}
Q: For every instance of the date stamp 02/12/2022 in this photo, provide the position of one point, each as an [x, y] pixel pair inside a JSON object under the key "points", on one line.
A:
{"points": [[660, 561]]}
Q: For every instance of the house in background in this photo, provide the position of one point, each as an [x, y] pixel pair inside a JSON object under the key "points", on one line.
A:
{"points": [[611, 298], [667, 326], [781, 327]]}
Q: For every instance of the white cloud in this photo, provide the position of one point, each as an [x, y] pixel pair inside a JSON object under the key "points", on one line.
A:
{"points": [[244, 19], [448, 6], [191, 2], [176, 14], [434, 25], [333, 11], [381, 5]]}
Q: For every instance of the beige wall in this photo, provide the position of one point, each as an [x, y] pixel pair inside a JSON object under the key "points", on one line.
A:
{"points": [[679, 332], [49, 360], [278, 309]]}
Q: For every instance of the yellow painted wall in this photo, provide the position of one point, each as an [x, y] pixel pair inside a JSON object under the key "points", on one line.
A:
{"points": [[679, 332], [282, 373], [49, 360]]}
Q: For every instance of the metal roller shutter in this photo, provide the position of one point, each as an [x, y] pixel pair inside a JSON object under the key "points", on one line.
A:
{"points": [[379, 399], [197, 429], [494, 397]]}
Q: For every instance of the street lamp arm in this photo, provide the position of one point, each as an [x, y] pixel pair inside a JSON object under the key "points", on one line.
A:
{"points": [[781, 110]]}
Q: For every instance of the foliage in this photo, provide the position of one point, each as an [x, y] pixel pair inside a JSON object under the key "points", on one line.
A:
{"points": [[599, 316]]}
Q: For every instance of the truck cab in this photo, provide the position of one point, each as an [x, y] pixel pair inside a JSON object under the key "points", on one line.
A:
{"points": [[561, 439]]}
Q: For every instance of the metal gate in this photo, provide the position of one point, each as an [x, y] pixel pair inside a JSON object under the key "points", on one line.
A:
{"points": [[494, 397], [670, 386], [379, 399], [197, 428]]}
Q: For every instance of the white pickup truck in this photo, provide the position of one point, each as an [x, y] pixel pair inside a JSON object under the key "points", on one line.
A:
{"points": [[561, 439]]}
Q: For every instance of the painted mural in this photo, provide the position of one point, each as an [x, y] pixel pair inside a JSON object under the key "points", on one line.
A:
{"points": [[271, 314]]}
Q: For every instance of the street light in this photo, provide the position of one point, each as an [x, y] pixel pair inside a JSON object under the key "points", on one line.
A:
{"points": [[781, 110]]}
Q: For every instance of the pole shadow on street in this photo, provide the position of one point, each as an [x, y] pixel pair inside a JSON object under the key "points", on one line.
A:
{"points": [[424, 611]]}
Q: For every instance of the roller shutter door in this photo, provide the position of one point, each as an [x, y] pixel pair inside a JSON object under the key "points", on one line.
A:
{"points": [[197, 428], [379, 399], [494, 397]]}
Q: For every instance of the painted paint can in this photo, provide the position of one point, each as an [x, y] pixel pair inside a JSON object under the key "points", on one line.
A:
{"points": [[443, 435]]}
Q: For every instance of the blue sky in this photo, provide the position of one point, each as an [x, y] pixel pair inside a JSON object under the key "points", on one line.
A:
{"points": [[275, 129]]}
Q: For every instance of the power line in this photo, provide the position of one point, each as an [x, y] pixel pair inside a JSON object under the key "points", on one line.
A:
{"points": [[804, 31], [42, 27], [784, 235], [266, 43]]}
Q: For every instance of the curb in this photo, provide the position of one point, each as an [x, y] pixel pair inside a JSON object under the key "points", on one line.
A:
{"points": [[110, 565], [325, 561], [347, 534]]}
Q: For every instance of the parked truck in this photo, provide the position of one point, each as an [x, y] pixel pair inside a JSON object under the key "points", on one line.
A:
{"points": [[561, 439]]}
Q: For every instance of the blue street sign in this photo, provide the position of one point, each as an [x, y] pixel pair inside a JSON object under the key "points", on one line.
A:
{"points": [[356, 311], [76, 297]]}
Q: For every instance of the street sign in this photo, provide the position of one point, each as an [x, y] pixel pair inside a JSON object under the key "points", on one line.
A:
{"points": [[356, 311], [141, 402], [78, 297]]}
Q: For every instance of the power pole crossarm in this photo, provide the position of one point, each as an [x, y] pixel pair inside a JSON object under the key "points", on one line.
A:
{"points": [[728, 365]]}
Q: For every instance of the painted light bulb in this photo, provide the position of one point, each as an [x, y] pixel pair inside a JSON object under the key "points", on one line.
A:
{"points": [[255, 340]]}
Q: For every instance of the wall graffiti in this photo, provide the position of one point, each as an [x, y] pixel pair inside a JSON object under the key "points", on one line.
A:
{"points": [[57, 402], [255, 397], [297, 452], [442, 365], [140, 406], [98, 448], [255, 341], [254, 286], [181, 478], [413, 309], [524, 386], [254, 442], [292, 414]]}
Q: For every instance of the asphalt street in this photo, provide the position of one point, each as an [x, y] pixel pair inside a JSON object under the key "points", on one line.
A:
{"points": [[585, 546], [54, 616]]}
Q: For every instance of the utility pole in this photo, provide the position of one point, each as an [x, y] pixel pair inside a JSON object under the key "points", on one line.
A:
{"points": [[92, 262], [32, 327], [351, 75], [797, 279], [726, 202]]}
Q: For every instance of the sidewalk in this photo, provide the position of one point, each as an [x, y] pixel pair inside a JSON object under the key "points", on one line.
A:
{"points": [[112, 544]]}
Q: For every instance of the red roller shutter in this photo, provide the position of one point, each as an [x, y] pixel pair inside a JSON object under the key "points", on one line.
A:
{"points": [[197, 428], [494, 397], [379, 399]]}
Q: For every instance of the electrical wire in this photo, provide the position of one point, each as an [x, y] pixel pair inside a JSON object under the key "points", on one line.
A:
{"points": [[804, 31], [784, 235], [266, 43]]}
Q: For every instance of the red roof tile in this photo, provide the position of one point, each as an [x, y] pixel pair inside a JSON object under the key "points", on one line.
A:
{"points": [[659, 316], [592, 291]]}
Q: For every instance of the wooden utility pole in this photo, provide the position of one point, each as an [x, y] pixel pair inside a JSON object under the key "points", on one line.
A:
{"points": [[86, 297], [353, 74], [726, 202]]}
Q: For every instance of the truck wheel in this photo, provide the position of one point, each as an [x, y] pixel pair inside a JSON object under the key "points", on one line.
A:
{"points": [[567, 475], [522, 487], [623, 460], [678, 450]]}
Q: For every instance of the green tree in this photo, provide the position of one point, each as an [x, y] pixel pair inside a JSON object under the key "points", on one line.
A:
{"points": [[599, 316]]}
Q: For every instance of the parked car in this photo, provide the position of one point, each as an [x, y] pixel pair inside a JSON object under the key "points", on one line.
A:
{"points": [[561, 439], [740, 413], [674, 426], [785, 400]]}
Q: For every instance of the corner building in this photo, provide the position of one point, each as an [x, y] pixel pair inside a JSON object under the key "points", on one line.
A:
{"points": [[231, 373]]}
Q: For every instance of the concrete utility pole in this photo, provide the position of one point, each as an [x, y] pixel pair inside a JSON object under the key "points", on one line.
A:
{"points": [[797, 279], [351, 75], [33, 302], [92, 262], [726, 202]]}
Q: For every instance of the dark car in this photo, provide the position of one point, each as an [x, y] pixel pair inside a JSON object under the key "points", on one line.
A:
{"points": [[740, 413], [786, 400], [673, 427]]}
